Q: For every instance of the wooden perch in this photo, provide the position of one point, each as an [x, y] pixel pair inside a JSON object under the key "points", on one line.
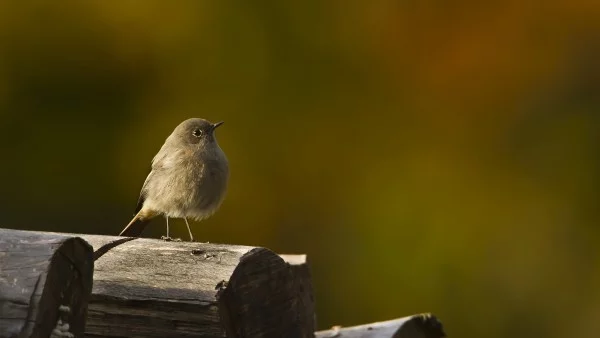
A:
{"points": [[45, 284], [417, 326], [153, 288]]}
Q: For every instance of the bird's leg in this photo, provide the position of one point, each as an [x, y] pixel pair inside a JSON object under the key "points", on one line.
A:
{"points": [[190, 231], [166, 238]]}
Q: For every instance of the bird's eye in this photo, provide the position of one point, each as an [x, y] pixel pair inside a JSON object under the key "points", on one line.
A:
{"points": [[197, 132]]}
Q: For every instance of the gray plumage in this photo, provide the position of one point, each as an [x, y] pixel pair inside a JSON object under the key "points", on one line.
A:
{"points": [[188, 178]]}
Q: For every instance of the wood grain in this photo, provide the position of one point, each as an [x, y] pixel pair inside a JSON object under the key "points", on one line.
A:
{"points": [[45, 284], [154, 288]]}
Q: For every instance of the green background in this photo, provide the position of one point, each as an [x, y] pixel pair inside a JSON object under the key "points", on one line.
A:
{"points": [[437, 156]]}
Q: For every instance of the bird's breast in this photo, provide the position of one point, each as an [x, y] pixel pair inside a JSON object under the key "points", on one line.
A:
{"points": [[208, 186]]}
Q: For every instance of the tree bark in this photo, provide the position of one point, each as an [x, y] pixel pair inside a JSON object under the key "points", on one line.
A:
{"points": [[417, 326], [45, 284], [153, 288]]}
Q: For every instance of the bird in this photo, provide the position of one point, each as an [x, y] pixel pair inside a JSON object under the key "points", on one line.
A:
{"points": [[188, 178]]}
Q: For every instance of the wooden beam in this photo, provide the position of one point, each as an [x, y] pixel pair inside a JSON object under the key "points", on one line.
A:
{"points": [[417, 326], [45, 284], [152, 288]]}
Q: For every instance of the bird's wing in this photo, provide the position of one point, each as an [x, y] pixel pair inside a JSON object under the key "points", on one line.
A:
{"points": [[159, 162], [163, 160]]}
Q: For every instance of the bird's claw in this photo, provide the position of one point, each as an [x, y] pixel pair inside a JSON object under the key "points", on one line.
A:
{"points": [[169, 239]]}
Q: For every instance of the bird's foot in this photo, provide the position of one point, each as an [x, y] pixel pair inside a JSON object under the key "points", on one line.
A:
{"points": [[169, 239]]}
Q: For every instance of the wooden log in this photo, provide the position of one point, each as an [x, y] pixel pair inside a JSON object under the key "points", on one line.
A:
{"points": [[417, 326], [153, 288], [45, 284], [306, 297]]}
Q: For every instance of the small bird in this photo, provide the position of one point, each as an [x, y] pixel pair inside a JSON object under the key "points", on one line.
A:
{"points": [[188, 178]]}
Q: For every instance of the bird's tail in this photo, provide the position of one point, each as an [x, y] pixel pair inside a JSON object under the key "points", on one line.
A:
{"points": [[135, 227]]}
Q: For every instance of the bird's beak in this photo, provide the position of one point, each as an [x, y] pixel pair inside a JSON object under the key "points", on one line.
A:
{"points": [[215, 125]]}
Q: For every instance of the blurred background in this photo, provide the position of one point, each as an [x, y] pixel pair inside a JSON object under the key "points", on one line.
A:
{"points": [[427, 155]]}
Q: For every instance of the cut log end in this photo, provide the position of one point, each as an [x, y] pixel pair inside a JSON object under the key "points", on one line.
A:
{"points": [[421, 326], [45, 283], [266, 297]]}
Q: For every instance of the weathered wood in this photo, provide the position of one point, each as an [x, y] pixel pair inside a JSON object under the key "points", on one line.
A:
{"points": [[417, 326], [303, 287], [153, 288], [45, 284], [254, 307]]}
